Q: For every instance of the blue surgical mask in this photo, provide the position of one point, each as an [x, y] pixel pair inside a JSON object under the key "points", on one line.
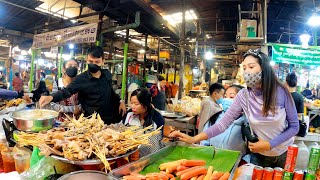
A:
{"points": [[226, 103], [219, 101]]}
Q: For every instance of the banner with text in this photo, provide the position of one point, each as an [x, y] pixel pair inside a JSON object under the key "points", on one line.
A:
{"points": [[78, 34], [284, 54]]}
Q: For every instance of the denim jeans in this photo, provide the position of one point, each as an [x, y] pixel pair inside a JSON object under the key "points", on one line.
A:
{"points": [[268, 161]]}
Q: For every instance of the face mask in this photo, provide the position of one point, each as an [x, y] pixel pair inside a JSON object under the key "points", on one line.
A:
{"points": [[226, 103], [252, 79], [219, 101], [93, 68], [72, 71]]}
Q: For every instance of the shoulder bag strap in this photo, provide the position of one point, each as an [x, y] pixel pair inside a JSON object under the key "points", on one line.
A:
{"points": [[248, 115]]}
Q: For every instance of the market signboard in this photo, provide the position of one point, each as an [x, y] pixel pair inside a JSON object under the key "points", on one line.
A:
{"points": [[79, 34], [283, 54]]}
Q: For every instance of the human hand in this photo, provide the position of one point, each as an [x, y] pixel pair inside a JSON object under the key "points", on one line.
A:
{"points": [[122, 107], [259, 146], [77, 110], [27, 99], [182, 137], [45, 100]]}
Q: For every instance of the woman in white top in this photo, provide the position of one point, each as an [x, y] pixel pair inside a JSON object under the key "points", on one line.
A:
{"points": [[143, 114]]}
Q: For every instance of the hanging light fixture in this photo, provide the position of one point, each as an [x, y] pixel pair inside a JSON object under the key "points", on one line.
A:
{"points": [[314, 20], [304, 38]]}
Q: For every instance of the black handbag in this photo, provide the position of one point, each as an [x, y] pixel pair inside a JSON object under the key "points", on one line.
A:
{"points": [[302, 128]]}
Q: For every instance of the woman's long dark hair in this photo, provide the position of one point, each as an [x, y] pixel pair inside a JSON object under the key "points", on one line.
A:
{"points": [[269, 82], [144, 98]]}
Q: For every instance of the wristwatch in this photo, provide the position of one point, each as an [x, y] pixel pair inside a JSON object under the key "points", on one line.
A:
{"points": [[121, 101]]}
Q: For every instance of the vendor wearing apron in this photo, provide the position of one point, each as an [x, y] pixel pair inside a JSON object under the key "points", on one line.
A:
{"points": [[269, 108]]}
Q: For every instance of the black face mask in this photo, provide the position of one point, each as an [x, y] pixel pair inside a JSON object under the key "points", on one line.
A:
{"points": [[72, 71], [93, 68]]}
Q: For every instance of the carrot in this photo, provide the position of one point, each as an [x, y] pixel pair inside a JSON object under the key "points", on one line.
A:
{"points": [[217, 176], [209, 173], [196, 172], [201, 177], [194, 178], [225, 176], [179, 173], [131, 177], [157, 176], [171, 169], [193, 163], [164, 166], [167, 174], [138, 175], [181, 168], [173, 178]]}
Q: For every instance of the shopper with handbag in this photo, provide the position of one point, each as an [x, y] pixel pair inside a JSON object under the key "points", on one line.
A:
{"points": [[270, 111], [291, 84]]}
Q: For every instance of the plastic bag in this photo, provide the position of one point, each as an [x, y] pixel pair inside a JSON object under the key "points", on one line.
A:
{"points": [[244, 172], [45, 167]]}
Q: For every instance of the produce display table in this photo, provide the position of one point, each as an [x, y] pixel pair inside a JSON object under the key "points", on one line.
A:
{"points": [[187, 124], [310, 137], [221, 159], [313, 114]]}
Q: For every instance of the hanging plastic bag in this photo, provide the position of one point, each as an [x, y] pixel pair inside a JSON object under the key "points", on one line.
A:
{"points": [[45, 167]]}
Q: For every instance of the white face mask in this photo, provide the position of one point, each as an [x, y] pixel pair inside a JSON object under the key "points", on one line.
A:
{"points": [[252, 79]]}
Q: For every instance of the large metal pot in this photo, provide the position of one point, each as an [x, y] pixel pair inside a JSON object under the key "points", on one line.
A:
{"points": [[86, 175], [34, 120]]}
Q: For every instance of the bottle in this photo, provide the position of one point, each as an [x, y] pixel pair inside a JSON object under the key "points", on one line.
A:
{"points": [[302, 161], [313, 144]]}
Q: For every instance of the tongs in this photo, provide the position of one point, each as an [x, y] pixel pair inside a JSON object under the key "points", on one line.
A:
{"points": [[214, 152], [37, 105]]}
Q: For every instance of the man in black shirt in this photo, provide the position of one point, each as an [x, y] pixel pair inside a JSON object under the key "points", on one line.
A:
{"points": [[94, 88], [291, 83]]}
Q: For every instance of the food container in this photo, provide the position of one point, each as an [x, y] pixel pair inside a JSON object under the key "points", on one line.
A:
{"points": [[22, 161], [145, 161], [85, 175], [8, 160], [34, 120]]}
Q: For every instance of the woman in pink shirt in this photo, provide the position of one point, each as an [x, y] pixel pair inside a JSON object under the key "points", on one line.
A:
{"points": [[17, 83]]}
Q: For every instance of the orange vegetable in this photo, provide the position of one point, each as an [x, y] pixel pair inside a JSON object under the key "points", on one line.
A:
{"points": [[171, 169], [181, 168], [131, 177], [193, 163], [164, 166], [209, 173], [195, 172], [194, 178], [201, 177], [173, 178], [138, 175], [157, 176], [217, 175], [167, 174], [225, 176], [179, 173]]}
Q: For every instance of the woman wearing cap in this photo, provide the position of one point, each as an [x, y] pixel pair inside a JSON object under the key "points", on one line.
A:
{"points": [[269, 108]]}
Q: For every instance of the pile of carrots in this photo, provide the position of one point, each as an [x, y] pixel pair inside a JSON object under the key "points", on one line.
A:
{"points": [[182, 169]]}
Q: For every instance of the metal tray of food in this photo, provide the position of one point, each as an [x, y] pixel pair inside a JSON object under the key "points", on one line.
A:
{"points": [[139, 165], [93, 161], [173, 115]]}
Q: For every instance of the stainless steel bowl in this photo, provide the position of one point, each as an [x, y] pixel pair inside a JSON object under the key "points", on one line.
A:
{"points": [[85, 175], [34, 120]]}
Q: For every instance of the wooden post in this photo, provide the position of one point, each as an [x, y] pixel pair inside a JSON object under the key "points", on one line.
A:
{"points": [[145, 59]]}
